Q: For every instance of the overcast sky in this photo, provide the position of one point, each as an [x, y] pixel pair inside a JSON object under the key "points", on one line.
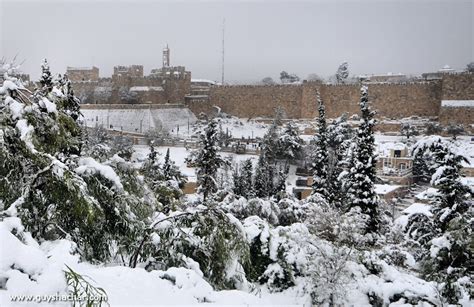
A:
{"points": [[262, 38]]}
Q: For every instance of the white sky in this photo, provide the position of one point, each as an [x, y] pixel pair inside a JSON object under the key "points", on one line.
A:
{"points": [[262, 37]]}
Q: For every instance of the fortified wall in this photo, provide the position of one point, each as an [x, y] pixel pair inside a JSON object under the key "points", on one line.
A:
{"points": [[457, 105], [299, 101], [449, 99]]}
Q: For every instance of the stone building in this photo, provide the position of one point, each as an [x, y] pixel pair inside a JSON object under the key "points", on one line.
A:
{"points": [[127, 72], [129, 85], [81, 74]]}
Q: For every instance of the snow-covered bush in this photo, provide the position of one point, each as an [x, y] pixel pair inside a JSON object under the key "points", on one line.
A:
{"points": [[210, 237], [242, 208]]}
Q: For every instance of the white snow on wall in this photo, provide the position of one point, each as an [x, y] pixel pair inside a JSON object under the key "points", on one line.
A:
{"points": [[145, 88], [457, 103], [139, 120]]}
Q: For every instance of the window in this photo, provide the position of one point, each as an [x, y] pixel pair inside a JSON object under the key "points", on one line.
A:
{"points": [[403, 166], [397, 153]]}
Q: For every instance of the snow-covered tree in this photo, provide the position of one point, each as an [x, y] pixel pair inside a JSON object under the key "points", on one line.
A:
{"points": [[420, 170], [320, 162], [122, 146], [362, 173], [424, 161], [267, 81], [70, 105], [287, 78], [264, 173], [342, 72], [279, 182], [433, 128], [450, 251], [56, 193], [280, 114], [270, 145], [208, 160], [447, 178], [470, 67], [46, 79], [454, 130], [339, 139], [243, 184], [168, 166], [408, 130], [291, 142]]}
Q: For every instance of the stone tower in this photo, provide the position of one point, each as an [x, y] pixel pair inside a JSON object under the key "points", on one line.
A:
{"points": [[166, 57]]}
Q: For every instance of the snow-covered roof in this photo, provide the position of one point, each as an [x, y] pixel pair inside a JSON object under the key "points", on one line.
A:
{"points": [[446, 68], [203, 81], [418, 208], [145, 88], [197, 96], [385, 147], [382, 189], [457, 103]]}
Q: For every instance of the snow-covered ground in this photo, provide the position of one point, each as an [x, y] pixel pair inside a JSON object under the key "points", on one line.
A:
{"points": [[44, 264]]}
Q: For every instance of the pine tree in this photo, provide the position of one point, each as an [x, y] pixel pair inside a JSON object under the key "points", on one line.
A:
{"points": [[291, 142], [280, 184], [450, 251], [246, 179], [208, 161], [46, 79], [71, 105], [420, 170], [362, 173], [263, 183], [153, 153], [237, 178], [168, 166], [243, 184], [320, 163], [447, 178], [270, 144]]}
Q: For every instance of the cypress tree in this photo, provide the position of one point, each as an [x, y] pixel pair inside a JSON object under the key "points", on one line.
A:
{"points": [[320, 163], [263, 183], [208, 160], [362, 174]]}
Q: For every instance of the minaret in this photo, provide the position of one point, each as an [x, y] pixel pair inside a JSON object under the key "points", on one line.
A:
{"points": [[166, 57]]}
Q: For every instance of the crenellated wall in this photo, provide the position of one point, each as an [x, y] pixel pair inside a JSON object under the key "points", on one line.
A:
{"points": [[389, 100], [254, 100], [299, 101]]}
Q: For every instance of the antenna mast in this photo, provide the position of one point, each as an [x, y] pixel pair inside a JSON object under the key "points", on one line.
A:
{"points": [[223, 35]]}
